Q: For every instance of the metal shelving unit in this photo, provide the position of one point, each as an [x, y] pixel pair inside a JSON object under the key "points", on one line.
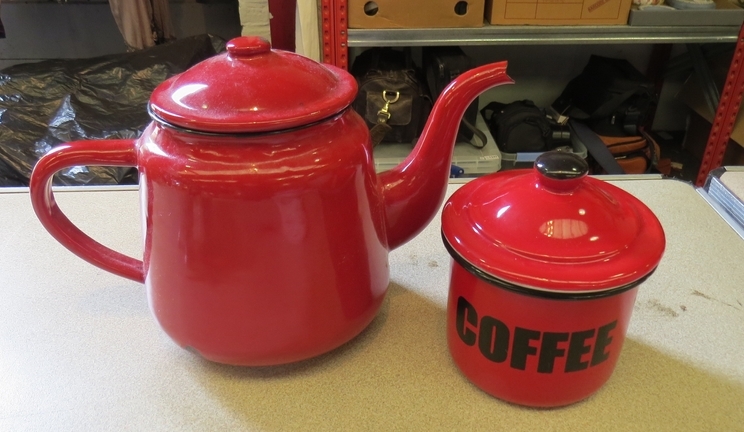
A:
{"points": [[541, 35], [337, 38]]}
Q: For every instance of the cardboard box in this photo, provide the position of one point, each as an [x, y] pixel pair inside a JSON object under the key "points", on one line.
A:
{"points": [[558, 12], [379, 14], [726, 13], [701, 119]]}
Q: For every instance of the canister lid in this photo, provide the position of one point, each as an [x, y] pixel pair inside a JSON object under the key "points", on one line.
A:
{"points": [[553, 228], [252, 88]]}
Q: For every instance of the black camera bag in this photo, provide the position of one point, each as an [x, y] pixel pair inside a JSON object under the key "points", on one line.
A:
{"points": [[442, 65], [519, 127], [610, 96]]}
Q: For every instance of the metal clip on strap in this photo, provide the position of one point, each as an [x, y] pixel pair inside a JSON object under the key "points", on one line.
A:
{"points": [[384, 115]]}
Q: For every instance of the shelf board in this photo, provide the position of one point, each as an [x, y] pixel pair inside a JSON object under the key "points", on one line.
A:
{"points": [[542, 35]]}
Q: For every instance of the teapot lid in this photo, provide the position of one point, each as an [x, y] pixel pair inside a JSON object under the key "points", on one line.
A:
{"points": [[552, 229], [252, 88]]}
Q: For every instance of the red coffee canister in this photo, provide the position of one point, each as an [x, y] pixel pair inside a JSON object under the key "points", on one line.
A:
{"points": [[546, 266]]}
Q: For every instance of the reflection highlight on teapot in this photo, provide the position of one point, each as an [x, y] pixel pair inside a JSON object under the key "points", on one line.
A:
{"points": [[185, 91], [565, 229]]}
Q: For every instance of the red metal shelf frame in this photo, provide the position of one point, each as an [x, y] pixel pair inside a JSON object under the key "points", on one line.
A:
{"points": [[725, 119], [335, 39], [327, 31], [335, 51]]}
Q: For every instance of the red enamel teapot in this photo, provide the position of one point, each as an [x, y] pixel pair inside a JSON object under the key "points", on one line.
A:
{"points": [[266, 228]]}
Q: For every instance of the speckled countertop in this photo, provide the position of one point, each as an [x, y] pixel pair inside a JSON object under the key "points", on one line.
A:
{"points": [[79, 349]]}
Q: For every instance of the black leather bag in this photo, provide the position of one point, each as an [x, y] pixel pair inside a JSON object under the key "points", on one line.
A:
{"points": [[441, 66], [392, 98], [610, 96], [608, 104]]}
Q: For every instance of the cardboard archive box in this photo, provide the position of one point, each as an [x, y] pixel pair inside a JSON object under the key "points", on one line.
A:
{"points": [[379, 14], [558, 12]]}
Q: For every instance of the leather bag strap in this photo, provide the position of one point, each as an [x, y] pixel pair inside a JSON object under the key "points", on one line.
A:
{"points": [[596, 147]]}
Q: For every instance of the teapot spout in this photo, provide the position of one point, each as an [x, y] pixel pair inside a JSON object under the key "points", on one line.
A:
{"points": [[414, 190]]}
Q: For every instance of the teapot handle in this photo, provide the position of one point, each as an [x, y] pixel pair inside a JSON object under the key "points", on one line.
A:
{"points": [[98, 152]]}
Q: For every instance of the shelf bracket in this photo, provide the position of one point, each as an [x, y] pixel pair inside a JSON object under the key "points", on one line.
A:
{"points": [[341, 34], [334, 24], [327, 31]]}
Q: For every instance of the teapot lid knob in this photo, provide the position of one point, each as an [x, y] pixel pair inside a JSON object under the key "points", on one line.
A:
{"points": [[560, 171], [246, 46]]}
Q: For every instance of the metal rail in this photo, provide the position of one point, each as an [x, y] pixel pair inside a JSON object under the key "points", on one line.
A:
{"points": [[541, 35]]}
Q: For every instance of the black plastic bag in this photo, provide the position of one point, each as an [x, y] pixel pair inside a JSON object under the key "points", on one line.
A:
{"points": [[51, 102]]}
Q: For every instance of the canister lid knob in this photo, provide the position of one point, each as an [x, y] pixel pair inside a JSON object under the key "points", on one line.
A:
{"points": [[560, 171]]}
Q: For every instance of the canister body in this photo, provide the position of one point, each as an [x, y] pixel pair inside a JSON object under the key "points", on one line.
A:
{"points": [[532, 348]]}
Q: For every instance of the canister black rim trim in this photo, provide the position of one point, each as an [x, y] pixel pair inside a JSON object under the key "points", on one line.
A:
{"points": [[500, 283]]}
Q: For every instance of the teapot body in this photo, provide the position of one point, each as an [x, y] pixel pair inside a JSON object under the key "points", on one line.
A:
{"points": [[266, 228], [262, 249]]}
